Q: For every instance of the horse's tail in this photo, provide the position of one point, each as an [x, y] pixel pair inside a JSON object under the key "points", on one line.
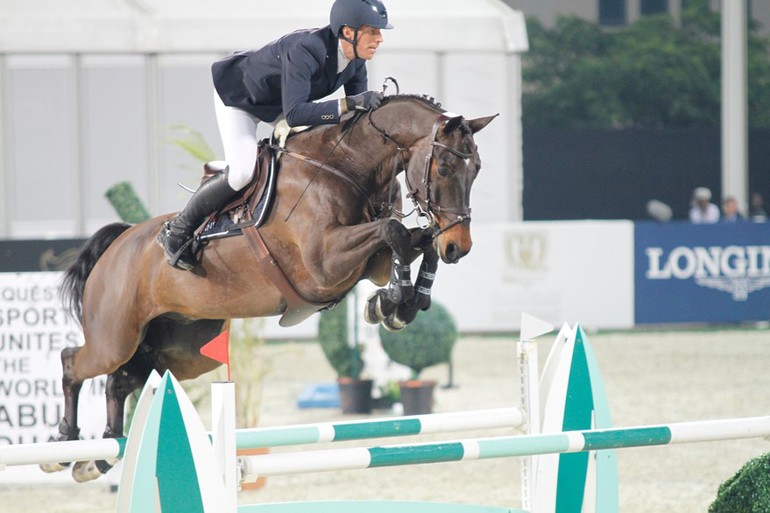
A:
{"points": [[74, 280]]}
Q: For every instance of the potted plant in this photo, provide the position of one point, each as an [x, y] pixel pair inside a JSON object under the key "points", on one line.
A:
{"points": [[427, 341], [345, 359]]}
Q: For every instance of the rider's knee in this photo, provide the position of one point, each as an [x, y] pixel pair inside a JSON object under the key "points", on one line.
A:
{"points": [[239, 175]]}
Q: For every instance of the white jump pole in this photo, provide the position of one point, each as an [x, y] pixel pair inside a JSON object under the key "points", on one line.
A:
{"points": [[503, 447], [301, 434], [531, 328], [223, 434], [54, 452]]}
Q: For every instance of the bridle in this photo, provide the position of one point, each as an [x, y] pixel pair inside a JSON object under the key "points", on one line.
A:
{"points": [[426, 207]]}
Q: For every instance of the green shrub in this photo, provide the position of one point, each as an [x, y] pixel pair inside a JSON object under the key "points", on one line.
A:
{"points": [[126, 203], [748, 491], [333, 336], [427, 341]]}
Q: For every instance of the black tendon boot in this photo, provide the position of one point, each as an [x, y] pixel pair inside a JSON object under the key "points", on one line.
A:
{"points": [[176, 237]]}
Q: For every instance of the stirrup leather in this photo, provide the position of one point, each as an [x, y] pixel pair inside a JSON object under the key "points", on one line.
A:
{"points": [[190, 247]]}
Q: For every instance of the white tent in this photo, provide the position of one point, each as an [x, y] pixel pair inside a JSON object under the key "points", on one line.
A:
{"points": [[196, 25], [89, 89]]}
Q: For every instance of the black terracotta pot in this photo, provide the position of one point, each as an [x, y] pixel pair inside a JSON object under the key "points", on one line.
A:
{"points": [[355, 395], [417, 396]]}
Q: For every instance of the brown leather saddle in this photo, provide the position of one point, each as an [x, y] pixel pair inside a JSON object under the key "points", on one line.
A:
{"points": [[243, 215], [251, 205]]}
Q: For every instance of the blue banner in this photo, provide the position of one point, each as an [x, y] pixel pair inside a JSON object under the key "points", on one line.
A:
{"points": [[701, 273]]}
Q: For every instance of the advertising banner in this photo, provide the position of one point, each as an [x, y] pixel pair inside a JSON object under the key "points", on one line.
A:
{"points": [[571, 271], [34, 328], [716, 273]]}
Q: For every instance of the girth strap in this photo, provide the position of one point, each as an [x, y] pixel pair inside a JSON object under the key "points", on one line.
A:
{"points": [[297, 307]]}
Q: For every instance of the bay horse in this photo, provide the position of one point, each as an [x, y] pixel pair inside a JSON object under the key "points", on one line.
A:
{"points": [[332, 223]]}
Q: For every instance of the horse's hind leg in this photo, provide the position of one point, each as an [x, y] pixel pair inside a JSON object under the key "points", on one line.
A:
{"points": [[68, 427], [119, 386], [89, 361]]}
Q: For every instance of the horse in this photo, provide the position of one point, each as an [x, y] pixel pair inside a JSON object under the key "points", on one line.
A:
{"points": [[333, 222]]}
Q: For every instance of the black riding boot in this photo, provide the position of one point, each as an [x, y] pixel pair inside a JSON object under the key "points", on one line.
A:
{"points": [[177, 235]]}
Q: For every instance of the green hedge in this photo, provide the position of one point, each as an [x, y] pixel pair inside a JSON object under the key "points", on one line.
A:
{"points": [[748, 491], [333, 336], [126, 203], [427, 341]]}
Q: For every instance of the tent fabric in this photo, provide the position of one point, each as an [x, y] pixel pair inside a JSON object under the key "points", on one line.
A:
{"points": [[53, 26]]}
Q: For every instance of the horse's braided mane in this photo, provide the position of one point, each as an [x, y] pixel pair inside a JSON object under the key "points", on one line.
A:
{"points": [[429, 101], [424, 98]]}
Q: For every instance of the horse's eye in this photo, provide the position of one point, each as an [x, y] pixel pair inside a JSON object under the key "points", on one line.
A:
{"points": [[443, 171]]}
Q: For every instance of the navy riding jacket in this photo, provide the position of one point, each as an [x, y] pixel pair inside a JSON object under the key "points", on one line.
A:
{"points": [[287, 75]]}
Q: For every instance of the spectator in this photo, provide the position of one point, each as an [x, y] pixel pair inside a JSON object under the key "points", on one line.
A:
{"points": [[702, 210], [757, 210], [730, 212]]}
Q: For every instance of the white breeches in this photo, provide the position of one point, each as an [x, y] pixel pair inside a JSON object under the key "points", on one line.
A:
{"points": [[238, 130]]}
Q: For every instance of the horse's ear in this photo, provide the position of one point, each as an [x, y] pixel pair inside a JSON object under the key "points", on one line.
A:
{"points": [[479, 123], [453, 124]]}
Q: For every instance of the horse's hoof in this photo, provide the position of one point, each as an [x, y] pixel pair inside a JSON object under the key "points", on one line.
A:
{"points": [[85, 471], [400, 294], [393, 323], [50, 468], [395, 295], [373, 312]]}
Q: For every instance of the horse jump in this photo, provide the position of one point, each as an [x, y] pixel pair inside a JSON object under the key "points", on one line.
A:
{"points": [[334, 220], [221, 486]]}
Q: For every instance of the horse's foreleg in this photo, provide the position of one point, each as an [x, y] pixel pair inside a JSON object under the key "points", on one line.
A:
{"points": [[344, 253], [346, 249], [398, 238], [396, 314], [68, 426], [426, 275], [383, 302], [407, 311]]}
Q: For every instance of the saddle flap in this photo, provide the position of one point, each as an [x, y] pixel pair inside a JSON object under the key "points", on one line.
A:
{"points": [[252, 193], [257, 195]]}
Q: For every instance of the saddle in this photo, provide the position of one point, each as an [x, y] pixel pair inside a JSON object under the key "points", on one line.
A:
{"points": [[258, 193], [252, 203], [243, 215]]}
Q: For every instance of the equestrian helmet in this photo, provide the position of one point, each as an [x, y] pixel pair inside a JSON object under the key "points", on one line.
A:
{"points": [[356, 13]]}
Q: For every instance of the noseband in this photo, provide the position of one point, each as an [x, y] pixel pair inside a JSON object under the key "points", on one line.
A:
{"points": [[430, 208]]}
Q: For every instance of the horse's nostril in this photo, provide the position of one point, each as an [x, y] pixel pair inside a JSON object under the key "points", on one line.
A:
{"points": [[452, 253]]}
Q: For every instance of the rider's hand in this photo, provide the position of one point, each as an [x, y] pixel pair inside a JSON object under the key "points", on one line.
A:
{"points": [[364, 101]]}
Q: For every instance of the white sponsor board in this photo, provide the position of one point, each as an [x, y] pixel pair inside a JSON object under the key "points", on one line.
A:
{"points": [[34, 328], [579, 271], [559, 271]]}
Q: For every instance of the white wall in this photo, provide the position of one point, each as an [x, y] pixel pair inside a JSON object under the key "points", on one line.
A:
{"points": [[89, 89], [579, 271], [570, 271]]}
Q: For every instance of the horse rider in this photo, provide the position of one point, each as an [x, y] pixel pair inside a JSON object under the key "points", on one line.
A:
{"points": [[281, 80]]}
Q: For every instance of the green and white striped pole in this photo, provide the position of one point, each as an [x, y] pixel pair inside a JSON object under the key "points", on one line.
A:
{"points": [[503, 447], [378, 428]]}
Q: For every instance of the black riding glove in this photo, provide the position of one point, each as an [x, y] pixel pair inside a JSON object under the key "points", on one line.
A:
{"points": [[364, 101]]}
